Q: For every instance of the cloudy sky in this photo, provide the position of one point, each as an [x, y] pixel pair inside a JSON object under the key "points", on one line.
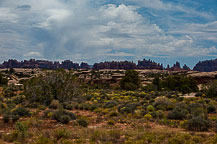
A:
{"points": [[97, 30]]}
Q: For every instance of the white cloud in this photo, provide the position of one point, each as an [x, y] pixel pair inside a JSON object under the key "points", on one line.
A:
{"points": [[74, 30], [55, 16], [32, 54], [7, 16], [161, 5], [200, 32]]}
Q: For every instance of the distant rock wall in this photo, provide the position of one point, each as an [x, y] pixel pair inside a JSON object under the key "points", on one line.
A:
{"points": [[67, 64], [43, 64], [206, 66]]}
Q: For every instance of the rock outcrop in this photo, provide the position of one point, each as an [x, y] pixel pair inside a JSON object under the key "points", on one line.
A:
{"points": [[149, 64], [206, 66], [43, 64]]}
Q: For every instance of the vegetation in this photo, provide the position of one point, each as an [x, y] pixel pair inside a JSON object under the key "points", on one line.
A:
{"points": [[179, 83], [3, 80], [130, 81], [211, 91], [57, 108], [59, 85]]}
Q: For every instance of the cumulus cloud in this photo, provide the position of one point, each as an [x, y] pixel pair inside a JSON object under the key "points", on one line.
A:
{"points": [[82, 31]]}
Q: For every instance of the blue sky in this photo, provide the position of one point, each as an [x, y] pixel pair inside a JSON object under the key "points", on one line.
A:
{"points": [[97, 30]]}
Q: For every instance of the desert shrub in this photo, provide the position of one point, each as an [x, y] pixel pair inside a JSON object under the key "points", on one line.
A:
{"points": [[33, 105], [61, 134], [154, 114], [197, 109], [144, 112], [6, 118], [113, 114], [99, 136], [127, 108], [148, 116], [198, 94], [69, 107], [149, 87], [57, 115], [46, 114], [150, 108], [88, 97], [177, 113], [54, 104], [215, 126], [41, 107], [198, 123], [130, 81], [20, 134], [93, 107], [211, 90], [20, 111], [82, 122], [9, 91], [58, 85], [211, 109], [110, 104], [44, 140], [11, 137], [65, 119], [3, 81], [15, 118], [161, 114], [19, 99], [179, 83], [22, 131], [111, 122], [163, 103]]}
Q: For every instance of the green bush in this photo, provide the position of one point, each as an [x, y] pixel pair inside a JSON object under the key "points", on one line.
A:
{"points": [[110, 104], [57, 115], [211, 90], [57, 85], [197, 109], [61, 134], [113, 114], [130, 81], [65, 119], [3, 81], [44, 140], [69, 107], [111, 122], [82, 122], [160, 114], [177, 114], [54, 104], [127, 108], [215, 126], [211, 109], [198, 123], [163, 103], [15, 118], [46, 113], [149, 87], [150, 108], [154, 114], [20, 111], [22, 128], [179, 83], [6, 118]]}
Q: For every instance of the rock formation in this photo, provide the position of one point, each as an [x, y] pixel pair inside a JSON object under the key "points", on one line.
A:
{"points": [[206, 66]]}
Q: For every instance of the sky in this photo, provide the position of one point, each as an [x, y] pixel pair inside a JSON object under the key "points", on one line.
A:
{"points": [[104, 30]]}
